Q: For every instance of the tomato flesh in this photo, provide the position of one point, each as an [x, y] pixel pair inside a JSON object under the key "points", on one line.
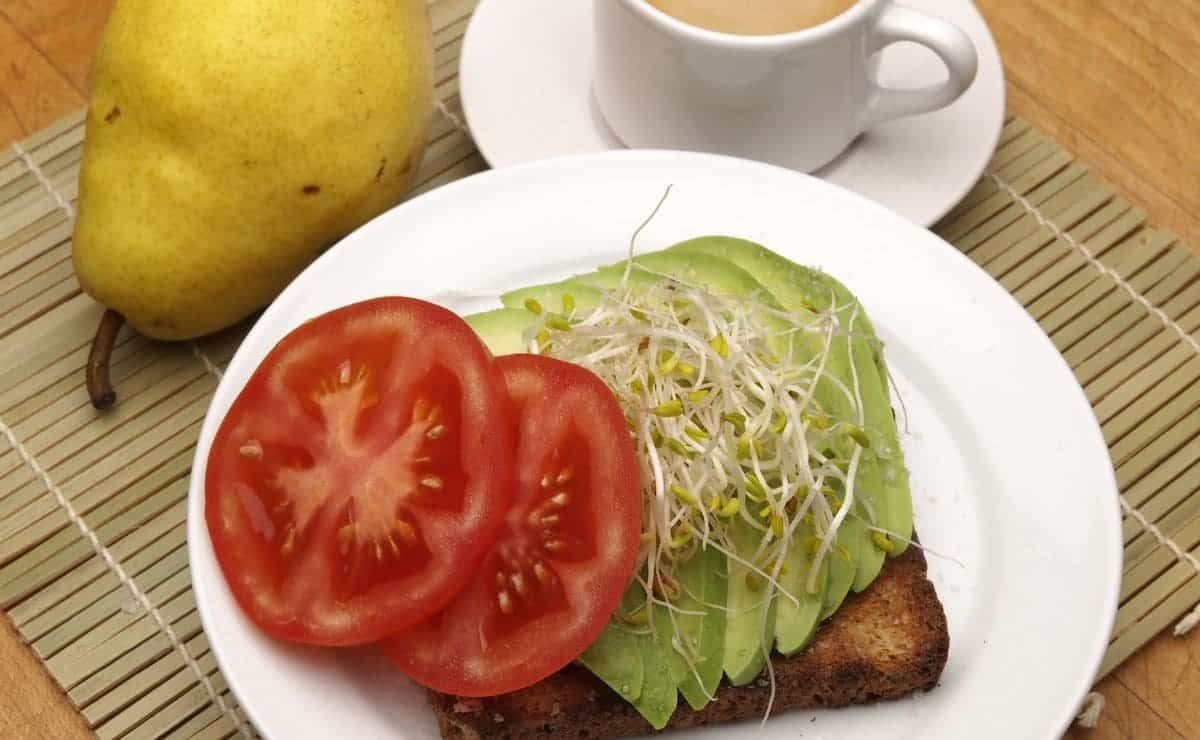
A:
{"points": [[362, 472], [558, 568]]}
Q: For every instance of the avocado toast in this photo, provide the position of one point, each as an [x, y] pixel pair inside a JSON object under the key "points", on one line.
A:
{"points": [[775, 570], [884, 643]]}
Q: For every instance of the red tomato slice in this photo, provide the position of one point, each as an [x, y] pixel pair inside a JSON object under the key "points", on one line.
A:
{"points": [[362, 473], [568, 548]]}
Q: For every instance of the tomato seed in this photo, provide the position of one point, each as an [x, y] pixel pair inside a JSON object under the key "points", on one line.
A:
{"points": [[518, 582], [436, 432], [505, 601], [251, 449], [289, 543], [432, 481]]}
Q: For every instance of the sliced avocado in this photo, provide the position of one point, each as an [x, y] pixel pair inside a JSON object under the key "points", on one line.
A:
{"points": [[659, 698], [843, 563], [634, 665], [893, 509], [703, 581], [795, 285], [719, 275], [778, 274], [750, 620], [797, 291], [550, 296], [796, 622], [715, 273], [501, 329], [868, 487], [616, 659], [616, 655]]}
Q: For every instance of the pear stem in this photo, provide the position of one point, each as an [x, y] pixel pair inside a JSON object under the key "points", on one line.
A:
{"points": [[99, 387]]}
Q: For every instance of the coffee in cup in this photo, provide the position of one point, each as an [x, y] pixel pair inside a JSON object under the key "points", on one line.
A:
{"points": [[754, 17]]}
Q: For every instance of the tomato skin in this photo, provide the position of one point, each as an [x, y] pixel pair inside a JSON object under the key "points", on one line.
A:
{"points": [[544, 592], [361, 473]]}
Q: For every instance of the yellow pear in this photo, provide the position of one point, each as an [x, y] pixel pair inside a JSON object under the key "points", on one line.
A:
{"points": [[230, 141]]}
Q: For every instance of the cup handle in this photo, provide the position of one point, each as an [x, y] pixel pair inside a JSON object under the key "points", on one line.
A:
{"points": [[898, 23]]}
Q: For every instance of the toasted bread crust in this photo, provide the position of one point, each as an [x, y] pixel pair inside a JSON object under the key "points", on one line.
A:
{"points": [[884, 643]]}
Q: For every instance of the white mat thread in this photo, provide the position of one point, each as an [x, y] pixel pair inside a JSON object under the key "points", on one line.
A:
{"points": [[451, 116], [1186, 624], [44, 181], [209, 366], [1089, 713]]}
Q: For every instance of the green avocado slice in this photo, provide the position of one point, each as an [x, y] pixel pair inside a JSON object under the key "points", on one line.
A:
{"points": [[659, 697], [797, 293], [550, 296], [634, 664], [781, 276], [501, 329], [750, 621], [796, 622], [843, 563], [702, 579], [794, 285], [868, 493], [616, 659], [716, 273], [894, 507], [616, 655]]}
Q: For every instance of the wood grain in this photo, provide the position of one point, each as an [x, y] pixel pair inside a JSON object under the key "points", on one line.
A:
{"points": [[33, 93], [1116, 82], [31, 705], [1165, 674], [63, 31]]}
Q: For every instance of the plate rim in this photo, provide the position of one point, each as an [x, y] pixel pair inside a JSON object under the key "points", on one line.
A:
{"points": [[988, 55], [197, 530]]}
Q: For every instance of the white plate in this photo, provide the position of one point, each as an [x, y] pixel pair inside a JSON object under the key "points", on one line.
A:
{"points": [[534, 57], [1009, 471]]}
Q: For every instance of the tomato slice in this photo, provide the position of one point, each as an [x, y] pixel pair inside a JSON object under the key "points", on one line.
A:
{"points": [[364, 470], [566, 553]]}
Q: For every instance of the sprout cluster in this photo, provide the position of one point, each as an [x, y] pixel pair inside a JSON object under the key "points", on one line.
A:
{"points": [[721, 399]]}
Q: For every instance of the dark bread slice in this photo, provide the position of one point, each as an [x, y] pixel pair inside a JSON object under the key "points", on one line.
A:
{"points": [[884, 643]]}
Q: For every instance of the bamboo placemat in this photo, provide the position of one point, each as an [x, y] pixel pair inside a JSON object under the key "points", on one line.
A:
{"points": [[93, 562]]}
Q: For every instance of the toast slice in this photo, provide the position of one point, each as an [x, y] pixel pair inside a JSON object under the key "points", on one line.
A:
{"points": [[884, 643]]}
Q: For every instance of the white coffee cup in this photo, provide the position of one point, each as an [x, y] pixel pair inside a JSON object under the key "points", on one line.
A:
{"points": [[793, 99]]}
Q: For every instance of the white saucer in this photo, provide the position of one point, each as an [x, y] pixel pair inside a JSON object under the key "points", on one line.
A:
{"points": [[525, 81]]}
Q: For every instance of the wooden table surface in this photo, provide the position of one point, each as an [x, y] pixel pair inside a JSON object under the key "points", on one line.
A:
{"points": [[1116, 82]]}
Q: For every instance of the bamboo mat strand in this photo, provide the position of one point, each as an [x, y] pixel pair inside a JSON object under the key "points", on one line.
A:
{"points": [[93, 560]]}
